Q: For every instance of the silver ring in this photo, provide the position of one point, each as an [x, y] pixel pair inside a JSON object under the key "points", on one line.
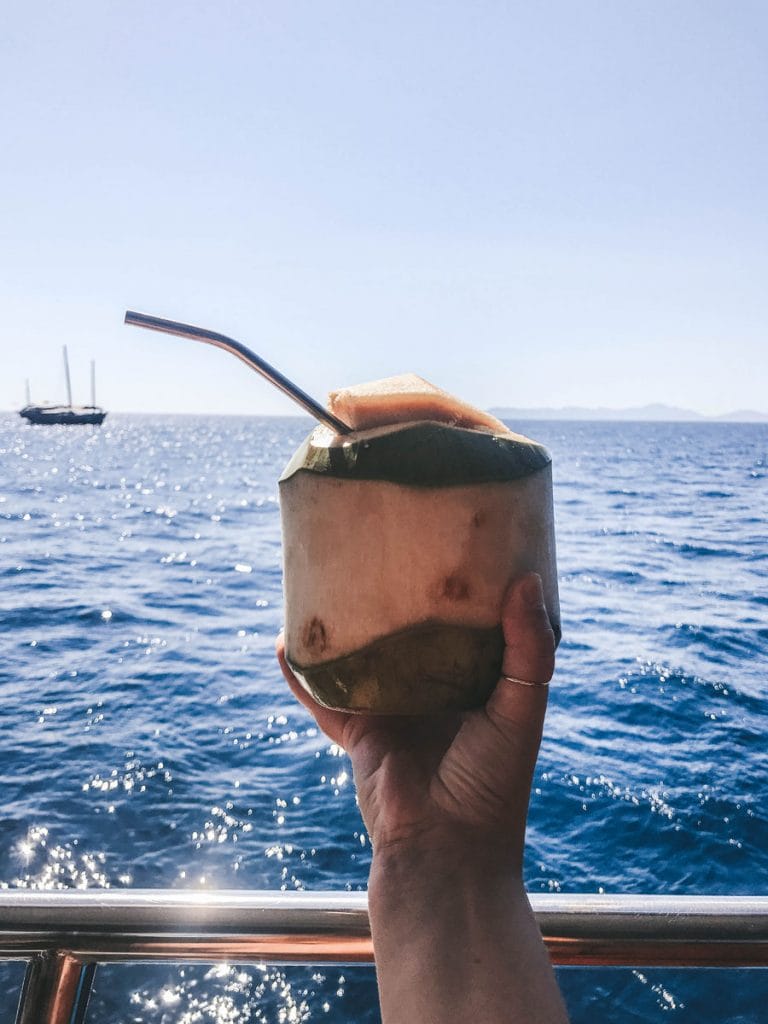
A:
{"points": [[523, 682]]}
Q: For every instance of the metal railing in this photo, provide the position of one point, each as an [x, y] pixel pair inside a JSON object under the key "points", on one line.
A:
{"points": [[64, 935]]}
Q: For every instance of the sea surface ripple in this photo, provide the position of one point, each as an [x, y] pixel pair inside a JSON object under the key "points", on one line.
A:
{"points": [[147, 739]]}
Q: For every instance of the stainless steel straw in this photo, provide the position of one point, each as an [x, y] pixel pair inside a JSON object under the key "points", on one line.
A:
{"points": [[319, 412]]}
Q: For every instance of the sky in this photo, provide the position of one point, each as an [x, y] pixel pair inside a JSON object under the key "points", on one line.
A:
{"points": [[529, 204]]}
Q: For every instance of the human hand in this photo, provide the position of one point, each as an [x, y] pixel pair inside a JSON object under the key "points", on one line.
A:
{"points": [[458, 781], [445, 799]]}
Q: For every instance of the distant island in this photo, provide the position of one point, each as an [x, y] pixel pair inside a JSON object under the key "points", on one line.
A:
{"points": [[643, 413]]}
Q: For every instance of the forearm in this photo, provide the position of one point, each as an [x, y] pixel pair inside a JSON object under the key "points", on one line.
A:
{"points": [[455, 942]]}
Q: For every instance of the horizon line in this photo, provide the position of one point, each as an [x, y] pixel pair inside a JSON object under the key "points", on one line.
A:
{"points": [[502, 412]]}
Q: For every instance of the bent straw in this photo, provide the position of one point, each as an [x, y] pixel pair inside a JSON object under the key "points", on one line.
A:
{"points": [[317, 411]]}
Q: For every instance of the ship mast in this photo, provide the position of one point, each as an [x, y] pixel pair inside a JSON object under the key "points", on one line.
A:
{"points": [[66, 374], [93, 384], [29, 396]]}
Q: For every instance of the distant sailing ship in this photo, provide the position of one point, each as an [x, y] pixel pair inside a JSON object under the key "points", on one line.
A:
{"points": [[66, 414]]}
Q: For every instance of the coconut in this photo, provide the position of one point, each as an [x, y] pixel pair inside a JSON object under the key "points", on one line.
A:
{"points": [[399, 542]]}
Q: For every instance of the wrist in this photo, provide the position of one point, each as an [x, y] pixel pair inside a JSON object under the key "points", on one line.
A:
{"points": [[455, 938], [430, 868]]}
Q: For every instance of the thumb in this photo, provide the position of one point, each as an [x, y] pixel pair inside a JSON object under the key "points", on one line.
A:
{"points": [[520, 698], [495, 750]]}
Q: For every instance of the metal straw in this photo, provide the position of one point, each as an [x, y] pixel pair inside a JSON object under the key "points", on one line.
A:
{"points": [[319, 412]]}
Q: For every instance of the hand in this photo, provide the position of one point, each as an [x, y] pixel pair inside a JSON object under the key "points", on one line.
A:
{"points": [[460, 780], [445, 799]]}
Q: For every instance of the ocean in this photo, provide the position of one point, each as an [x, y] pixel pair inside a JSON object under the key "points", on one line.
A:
{"points": [[147, 738]]}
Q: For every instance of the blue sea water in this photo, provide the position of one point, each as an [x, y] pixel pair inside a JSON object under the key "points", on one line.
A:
{"points": [[147, 738]]}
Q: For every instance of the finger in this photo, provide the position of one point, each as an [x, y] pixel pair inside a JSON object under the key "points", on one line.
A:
{"points": [[331, 722], [495, 750], [529, 656]]}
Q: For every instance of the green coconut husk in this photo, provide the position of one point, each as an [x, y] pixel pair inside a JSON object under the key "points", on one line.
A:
{"points": [[426, 454], [422, 670]]}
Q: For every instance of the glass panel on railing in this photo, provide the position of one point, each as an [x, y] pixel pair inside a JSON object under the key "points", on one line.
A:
{"points": [[623, 995], [232, 994], [11, 979]]}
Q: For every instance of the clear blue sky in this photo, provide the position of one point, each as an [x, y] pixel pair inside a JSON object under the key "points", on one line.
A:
{"points": [[528, 203]]}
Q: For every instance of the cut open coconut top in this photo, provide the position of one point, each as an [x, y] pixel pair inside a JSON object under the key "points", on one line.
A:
{"points": [[403, 399]]}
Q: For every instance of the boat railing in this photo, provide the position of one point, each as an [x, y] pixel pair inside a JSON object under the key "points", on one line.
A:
{"points": [[64, 935]]}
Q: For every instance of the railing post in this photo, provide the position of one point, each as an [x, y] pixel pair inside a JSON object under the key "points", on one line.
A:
{"points": [[56, 989]]}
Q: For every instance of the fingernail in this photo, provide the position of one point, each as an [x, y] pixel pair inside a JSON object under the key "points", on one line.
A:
{"points": [[531, 592]]}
